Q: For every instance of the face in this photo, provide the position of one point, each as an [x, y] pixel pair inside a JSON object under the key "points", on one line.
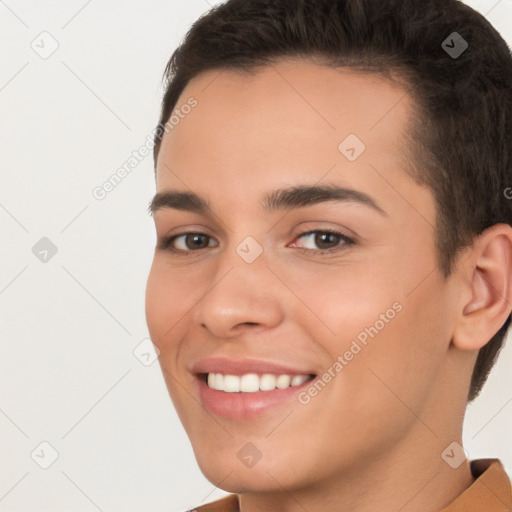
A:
{"points": [[330, 296]]}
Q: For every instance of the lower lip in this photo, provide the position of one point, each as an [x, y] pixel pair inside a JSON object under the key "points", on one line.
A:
{"points": [[246, 405]]}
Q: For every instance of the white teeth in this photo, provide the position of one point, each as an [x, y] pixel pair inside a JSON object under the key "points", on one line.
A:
{"points": [[267, 382], [231, 384], [249, 383], [218, 383], [252, 382], [283, 381], [297, 380]]}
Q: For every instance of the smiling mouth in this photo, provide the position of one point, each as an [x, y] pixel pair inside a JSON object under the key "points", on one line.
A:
{"points": [[253, 382]]}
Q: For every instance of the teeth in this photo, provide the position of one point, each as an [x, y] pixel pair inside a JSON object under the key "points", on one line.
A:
{"points": [[252, 382], [219, 381], [297, 380], [267, 382], [231, 384], [283, 381], [248, 383]]}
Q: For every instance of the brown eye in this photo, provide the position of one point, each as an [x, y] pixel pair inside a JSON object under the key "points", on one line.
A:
{"points": [[196, 240], [186, 242], [326, 241]]}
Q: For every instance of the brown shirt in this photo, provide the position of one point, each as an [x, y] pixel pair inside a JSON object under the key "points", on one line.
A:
{"points": [[490, 492]]}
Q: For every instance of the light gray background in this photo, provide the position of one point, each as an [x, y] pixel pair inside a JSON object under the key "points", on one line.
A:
{"points": [[69, 326]]}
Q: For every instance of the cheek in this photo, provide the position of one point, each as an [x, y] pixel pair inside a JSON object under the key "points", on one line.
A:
{"points": [[345, 299], [153, 293], [387, 321], [162, 301], [402, 362], [165, 306]]}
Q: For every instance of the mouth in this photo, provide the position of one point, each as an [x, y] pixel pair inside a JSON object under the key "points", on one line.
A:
{"points": [[249, 395], [253, 382]]}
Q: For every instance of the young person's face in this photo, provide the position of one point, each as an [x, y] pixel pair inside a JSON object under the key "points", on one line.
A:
{"points": [[375, 315]]}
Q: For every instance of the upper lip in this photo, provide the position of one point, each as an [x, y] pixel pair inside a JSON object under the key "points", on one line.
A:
{"points": [[237, 366]]}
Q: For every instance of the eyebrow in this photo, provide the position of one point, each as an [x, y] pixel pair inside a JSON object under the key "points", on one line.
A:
{"points": [[283, 199]]}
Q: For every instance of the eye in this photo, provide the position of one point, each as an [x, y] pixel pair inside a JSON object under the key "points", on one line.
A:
{"points": [[328, 241], [189, 240]]}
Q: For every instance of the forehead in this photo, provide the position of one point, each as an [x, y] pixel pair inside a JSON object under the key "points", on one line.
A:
{"points": [[286, 122]]}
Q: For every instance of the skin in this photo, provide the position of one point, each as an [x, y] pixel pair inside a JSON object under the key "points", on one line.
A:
{"points": [[372, 438]]}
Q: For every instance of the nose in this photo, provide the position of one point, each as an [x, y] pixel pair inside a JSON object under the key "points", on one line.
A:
{"points": [[241, 296]]}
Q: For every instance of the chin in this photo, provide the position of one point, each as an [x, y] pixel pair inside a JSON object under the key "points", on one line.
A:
{"points": [[231, 475], [240, 481]]}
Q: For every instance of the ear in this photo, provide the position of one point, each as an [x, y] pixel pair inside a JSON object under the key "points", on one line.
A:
{"points": [[487, 273]]}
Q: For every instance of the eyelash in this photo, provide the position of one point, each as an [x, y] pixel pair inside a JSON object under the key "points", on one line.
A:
{"points": [[167, 242]]}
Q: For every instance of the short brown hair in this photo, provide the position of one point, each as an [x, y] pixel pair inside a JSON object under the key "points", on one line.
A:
{"points": [[461, 142]]}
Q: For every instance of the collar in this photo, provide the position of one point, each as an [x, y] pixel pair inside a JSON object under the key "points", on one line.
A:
{"points": [[490, 492]]}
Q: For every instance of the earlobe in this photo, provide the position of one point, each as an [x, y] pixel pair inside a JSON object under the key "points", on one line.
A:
{"points": [[490, 265]]}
